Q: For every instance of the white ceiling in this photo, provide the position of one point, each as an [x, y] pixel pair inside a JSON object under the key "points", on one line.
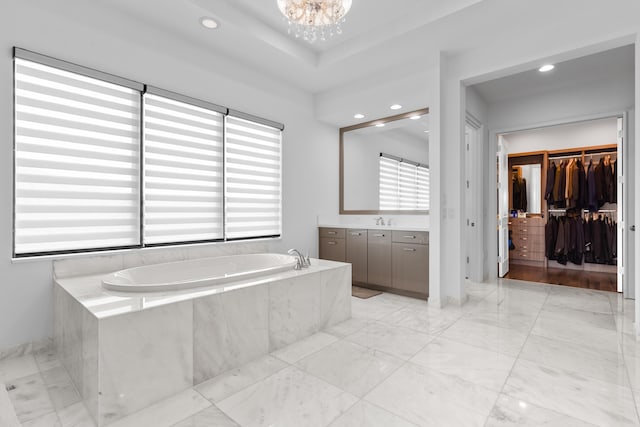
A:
{"points": [[254, 33], [387, 45], [610, 64]]}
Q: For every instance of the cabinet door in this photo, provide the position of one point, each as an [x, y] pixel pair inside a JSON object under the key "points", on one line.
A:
{"points": [[379, 258], [357, 254], [410, 267], [332, 249]]}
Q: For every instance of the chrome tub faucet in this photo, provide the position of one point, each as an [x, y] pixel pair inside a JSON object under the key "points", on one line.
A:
{"points": [[301, 260]]}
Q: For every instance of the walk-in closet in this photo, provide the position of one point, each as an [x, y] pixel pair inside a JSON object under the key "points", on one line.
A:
{"points": [[564, 205]]}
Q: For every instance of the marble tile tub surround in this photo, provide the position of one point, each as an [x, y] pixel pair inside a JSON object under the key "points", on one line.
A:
{"points": [[125, 352], [446, 380]]}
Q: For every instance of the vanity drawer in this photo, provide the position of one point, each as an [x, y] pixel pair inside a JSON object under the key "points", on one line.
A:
{"points": [[415, 237], [332, 249], [336, 233]]}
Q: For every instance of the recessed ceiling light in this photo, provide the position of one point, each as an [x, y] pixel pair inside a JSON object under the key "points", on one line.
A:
{"points": [[209, 23], [380, 125], [358, 116], [415, 117], [426, 131], [396, 107], [546, 68]]}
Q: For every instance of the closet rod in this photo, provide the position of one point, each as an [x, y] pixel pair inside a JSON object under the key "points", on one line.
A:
{"points": [[601, 153], [552, 157], [584, 210]]}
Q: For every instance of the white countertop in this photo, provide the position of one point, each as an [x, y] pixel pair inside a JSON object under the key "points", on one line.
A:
{"points": [[375, 227]]}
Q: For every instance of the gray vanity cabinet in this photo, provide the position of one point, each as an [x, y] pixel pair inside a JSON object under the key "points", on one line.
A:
{"points": [[386, 260], [410, 262], [357, 254], [379, 258], [332, 244]]}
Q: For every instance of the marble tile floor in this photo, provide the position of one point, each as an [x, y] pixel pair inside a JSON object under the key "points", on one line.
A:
{"points": [[517, 354]]}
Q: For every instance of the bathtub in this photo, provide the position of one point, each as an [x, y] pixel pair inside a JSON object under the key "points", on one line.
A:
{"points": [[196, 273], [126, 351]]}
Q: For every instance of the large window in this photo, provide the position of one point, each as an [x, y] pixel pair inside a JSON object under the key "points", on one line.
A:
{"points": [[183, 180], [253, 179], [77, 143], [102, 163], [404, 185]]}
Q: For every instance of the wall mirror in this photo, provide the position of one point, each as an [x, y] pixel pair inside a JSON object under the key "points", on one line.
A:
{"points": [[384, 165], [525, 191]]}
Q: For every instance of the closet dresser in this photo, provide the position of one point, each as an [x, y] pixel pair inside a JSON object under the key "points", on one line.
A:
{"points": [[528, 238]]}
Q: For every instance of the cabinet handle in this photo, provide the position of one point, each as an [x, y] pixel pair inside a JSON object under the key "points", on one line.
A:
{"points": [[331, 243], [524, 238], [332, 232], [524, 229], [378, 235], [356, 234], [408, 249], [408, 237]]}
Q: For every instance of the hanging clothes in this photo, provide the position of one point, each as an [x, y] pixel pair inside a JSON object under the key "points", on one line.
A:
{"points": [[600, 240], [600, 183], [591, 188], [583, 199], [560, 200], [556, 184], [572, 239], [551, 177]]}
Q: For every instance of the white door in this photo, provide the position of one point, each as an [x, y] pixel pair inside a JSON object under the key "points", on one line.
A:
{"points": [[474, 252], [468, 201], [503, 209], [621, 217]]}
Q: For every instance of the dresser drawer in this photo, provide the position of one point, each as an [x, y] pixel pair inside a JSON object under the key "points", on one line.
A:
{"points": [[336, 233], [416, 237], [526, 254]]}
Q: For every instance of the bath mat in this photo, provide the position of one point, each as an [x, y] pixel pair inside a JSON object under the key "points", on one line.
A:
{"points": [[363, 293]]}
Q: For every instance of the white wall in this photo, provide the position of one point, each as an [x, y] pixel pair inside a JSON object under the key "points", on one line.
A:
{"points": [[577, 135], [362, 164], [116, 44]]}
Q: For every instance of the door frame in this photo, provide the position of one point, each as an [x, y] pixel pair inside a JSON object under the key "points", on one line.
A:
{"points": [[494, 138]]}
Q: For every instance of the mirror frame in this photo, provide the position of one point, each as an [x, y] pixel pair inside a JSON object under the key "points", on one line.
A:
{"points": [[422, 111]]}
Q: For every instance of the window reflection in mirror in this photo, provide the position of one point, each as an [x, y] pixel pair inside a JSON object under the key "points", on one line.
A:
{"points": [[384, 169]]}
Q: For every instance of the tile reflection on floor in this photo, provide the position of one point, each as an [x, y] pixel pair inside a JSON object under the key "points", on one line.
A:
{"points": [[517, 354]]}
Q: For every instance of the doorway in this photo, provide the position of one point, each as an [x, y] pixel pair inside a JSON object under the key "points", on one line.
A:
{"points": [[557, 234]]}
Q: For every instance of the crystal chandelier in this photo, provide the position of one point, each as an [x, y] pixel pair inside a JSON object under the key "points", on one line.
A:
{"points": [[314, 20]]}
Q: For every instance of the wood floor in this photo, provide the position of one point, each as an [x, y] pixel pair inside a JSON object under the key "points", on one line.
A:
{"points": [[557, 276]]}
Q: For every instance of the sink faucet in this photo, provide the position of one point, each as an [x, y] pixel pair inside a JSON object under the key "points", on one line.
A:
{"points": [[380, 221], [301, 260]]}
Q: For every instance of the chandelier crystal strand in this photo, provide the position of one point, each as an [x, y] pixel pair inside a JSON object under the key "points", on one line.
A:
{"points": [[314, 20]]}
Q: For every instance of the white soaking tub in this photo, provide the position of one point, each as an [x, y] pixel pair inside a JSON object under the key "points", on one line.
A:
{"points": [[126, 351], [196, 273]]}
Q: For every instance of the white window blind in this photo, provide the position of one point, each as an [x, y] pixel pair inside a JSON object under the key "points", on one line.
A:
{"points": [[183, 179], [253, 179], [76, 161], [404, 185]]}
